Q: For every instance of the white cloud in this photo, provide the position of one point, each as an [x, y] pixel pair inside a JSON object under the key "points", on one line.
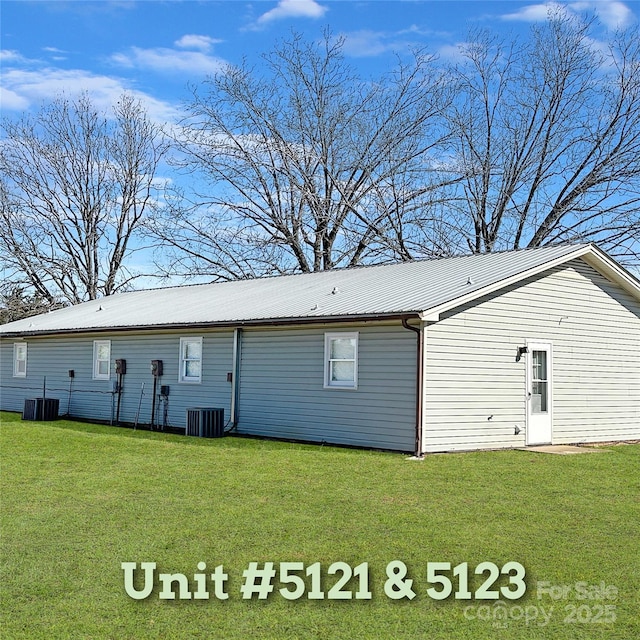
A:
{"points": [[9, 56], [167, 60], [28, 83], [533, 12], [365, 43], [453, 52], [11, 101], [612, 13], [55, 53], [193, 41], [293, 9], [26, 88]]}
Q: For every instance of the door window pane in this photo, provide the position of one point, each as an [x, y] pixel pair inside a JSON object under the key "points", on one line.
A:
{"points": [[539, 397], [539, 365], [539, 382]]}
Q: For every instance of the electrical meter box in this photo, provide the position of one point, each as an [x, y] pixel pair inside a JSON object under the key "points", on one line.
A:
{"points": [[121, 366], [156, 368]]}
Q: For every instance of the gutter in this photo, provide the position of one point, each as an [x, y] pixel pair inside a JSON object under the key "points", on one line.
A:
{"points": [[235, 378], [419, 383], [226, 324]]}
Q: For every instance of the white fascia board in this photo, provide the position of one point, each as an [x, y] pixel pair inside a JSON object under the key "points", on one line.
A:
{"points": [[433, 315]]}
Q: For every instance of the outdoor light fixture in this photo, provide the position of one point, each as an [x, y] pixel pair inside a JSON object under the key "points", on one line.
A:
{"points": [[521, 352]]}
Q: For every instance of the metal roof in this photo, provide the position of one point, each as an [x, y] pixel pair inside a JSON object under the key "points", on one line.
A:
{"points": [[411, 289]]}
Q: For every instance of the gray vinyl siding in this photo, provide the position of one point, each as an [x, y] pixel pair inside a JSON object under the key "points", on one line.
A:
{"points": [[282, 390], [52, 357], [475, 389]]}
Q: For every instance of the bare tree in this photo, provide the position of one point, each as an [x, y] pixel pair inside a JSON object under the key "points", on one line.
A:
{"points": [[16, 303], [546, 135], [75, 187], [308, 166]]}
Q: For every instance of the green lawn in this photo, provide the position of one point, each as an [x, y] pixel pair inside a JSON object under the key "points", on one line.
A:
{"points": [[78, 500]]}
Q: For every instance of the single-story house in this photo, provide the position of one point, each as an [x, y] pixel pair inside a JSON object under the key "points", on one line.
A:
{"points": [[487, 351]]}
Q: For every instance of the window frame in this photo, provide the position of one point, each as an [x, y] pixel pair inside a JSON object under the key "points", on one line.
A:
{"points": [[16, 371], [541, 379], [328, 338], [96, 362], [182, 377]]}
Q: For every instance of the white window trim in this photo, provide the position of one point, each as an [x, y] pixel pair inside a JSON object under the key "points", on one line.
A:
{"points": [[96, 369], [181, 377], [16, 372], [328, 384]]}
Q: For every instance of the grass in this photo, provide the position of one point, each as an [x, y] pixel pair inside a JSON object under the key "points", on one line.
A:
{"points": [[79, 499]]}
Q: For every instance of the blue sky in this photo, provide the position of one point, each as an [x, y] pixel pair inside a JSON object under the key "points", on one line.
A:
{"points": [[155, 49]]}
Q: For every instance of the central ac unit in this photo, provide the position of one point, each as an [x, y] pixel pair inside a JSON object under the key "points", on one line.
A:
{"points": [[205, 422], [41, 409]]}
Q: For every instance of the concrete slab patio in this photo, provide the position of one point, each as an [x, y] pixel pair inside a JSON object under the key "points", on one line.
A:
{"points": [[562, 449]]}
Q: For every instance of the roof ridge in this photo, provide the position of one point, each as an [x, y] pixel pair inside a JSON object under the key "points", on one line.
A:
{"points": [[360, 267]]}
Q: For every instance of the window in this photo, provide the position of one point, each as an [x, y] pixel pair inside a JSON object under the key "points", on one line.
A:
{"points": [[190, 359], [101, 359], [341, 360], [20, 360], [539, 382]]}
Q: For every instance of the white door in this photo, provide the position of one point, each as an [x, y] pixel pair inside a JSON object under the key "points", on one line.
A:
{"points": [[539, 398]]}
